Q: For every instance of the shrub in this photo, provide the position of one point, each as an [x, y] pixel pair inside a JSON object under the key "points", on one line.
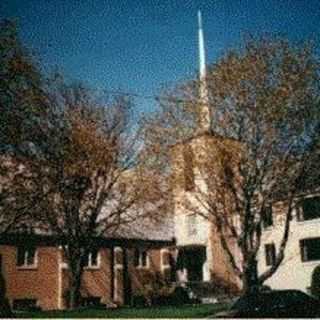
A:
{"points": [[154, 291], [139, 301], [180, 296], [166, 296]]}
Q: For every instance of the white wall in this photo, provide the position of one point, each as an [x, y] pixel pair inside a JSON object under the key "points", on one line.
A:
{"points": [[181, 231], [292, 273], [200, 237]]}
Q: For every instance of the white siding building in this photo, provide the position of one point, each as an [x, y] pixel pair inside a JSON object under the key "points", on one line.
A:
{"points": [[302, 253]]}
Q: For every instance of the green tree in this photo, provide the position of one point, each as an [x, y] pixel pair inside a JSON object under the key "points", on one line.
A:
{"points": [[23, 123], [23, 100]]}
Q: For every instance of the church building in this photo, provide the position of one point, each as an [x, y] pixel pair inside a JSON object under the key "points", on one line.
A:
{"points": [[185, 250]]}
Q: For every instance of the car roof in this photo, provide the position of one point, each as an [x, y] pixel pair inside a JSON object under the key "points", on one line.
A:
{"points": [[264, 297]]}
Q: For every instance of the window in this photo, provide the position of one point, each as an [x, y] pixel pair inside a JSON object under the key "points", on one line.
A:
{"points": [[91, 260], [267, 219], [136, 258], [310, 249], [141, 258], [26, 257], [24, 304], [192, 224], [165, 258], [309, 209], [91, 301], [270, 251]]}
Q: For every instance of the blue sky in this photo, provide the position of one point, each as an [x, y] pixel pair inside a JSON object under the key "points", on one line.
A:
{"points": [[142, 45]]}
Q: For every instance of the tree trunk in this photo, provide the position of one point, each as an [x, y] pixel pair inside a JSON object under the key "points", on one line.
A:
{"points": [[75, 285], [5, 310], [250, 277]]}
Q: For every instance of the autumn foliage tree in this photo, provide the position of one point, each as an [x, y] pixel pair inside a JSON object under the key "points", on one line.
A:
{"points": [[76, 177], [89, 182], [264, 145], [70, 163]]}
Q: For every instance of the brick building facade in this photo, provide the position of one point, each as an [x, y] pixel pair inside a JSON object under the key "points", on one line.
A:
{"points": [[37, 275]]}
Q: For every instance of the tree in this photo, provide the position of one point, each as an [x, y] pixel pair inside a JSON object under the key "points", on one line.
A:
{"points": [[23, 120], [262, 147], [24, 109], [69, 158], [22, 97], [88, 183]]}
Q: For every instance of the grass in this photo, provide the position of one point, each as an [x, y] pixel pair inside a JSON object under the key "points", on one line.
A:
{"points": [[186, 311]]}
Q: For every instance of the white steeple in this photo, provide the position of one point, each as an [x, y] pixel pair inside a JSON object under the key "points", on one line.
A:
{"points": [[205, 120], [202, 55]]}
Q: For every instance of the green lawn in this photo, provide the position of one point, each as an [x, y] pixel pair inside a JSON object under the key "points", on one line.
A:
{"points": [[187, 311]]}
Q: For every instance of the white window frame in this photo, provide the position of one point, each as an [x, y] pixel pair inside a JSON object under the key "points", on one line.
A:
{"points": [[93, 266], [140, 259], [25, 264], [164, 266]]}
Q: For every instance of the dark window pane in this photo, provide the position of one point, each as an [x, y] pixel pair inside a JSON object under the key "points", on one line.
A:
{"points": [[144, 257], [136, 258], [267, 219], [31, 256], [26, 256], [86, 260], [310, 249], [270, 252], [20, 256], [311, 208], [94, 257]]}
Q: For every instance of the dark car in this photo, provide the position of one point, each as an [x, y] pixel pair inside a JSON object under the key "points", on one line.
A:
{"points": [[274, 304]]}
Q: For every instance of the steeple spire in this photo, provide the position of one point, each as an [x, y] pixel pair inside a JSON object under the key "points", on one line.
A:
{"points": [[205, 119], [202, 55]]}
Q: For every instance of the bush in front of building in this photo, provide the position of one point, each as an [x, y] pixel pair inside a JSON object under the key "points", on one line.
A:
{"points": [[167, 296], [180, 296], [151, 295], [139, 300], [315, 282]]}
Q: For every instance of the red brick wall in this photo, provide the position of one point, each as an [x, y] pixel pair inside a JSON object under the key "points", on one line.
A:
{"points": [[96, 282], [146, 277], [222, 268], [40, 283]]}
